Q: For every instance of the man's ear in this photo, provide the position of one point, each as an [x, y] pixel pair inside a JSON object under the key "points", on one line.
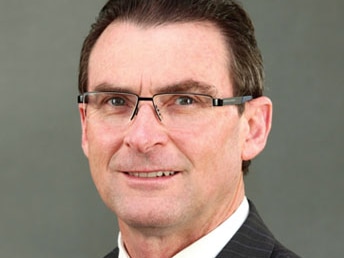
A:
{"points": [[258, 114], [84, 140]]}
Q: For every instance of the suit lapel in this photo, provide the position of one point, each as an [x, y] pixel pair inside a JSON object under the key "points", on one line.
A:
{"points": [[253, 239], [113, 254]]}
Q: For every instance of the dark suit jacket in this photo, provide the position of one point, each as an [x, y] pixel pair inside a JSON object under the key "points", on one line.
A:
{"points": [[252, 240]]}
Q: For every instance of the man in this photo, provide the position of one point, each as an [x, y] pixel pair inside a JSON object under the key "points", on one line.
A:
{"points": [[172, 112]]}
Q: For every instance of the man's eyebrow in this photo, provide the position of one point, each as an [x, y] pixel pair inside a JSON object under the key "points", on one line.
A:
{"points": [[109, 87], [189, 86], [186, 86]]}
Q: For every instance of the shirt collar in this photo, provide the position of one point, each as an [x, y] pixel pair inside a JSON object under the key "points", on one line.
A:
{"points": [[212, 243]]}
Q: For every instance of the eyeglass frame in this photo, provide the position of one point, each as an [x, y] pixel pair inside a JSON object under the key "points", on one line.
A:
{"points": [[216, 102]]}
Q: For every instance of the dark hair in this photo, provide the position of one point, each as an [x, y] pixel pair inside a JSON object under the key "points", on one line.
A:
{"points": [[246, 67]]}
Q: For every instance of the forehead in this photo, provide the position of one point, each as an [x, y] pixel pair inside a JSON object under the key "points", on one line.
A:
{"points": [[146, 58]]}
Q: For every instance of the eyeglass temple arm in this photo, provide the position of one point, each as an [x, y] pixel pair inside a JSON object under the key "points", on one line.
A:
{"points": [[231, 101], [82, 99]]}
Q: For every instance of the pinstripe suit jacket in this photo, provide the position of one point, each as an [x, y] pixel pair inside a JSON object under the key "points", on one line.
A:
{"points": [[252, 240]]}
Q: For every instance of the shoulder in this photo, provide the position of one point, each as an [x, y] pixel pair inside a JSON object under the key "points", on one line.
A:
{"points": [[113, 254], [280, 251], [254, 239]]}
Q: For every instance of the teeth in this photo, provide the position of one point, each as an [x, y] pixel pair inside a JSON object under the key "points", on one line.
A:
{"points": [[153, 174]]}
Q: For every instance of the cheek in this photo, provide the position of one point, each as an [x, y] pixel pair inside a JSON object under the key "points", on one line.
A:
{"points": [[102, 137], [213, 146], [102, 144]]}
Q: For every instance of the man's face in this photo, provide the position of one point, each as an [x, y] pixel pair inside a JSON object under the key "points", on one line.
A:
{"points": [[206, 182]]}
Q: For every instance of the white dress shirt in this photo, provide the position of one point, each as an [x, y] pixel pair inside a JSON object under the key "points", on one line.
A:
{"points": [[211, 244]]}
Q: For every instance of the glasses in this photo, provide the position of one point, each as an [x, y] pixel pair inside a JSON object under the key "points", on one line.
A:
{"points": [[172, 109]]}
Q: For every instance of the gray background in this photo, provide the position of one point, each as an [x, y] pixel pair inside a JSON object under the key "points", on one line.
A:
{"points": [[49, 206]]}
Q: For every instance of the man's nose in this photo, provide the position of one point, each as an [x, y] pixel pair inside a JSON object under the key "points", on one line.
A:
{"points": [[145, 130]]}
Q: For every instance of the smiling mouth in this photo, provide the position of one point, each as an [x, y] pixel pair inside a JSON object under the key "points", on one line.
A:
{"points": [[153, 174]]}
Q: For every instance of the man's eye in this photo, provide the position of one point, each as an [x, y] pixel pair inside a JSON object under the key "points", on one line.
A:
{"points": [[185, 100], [116, 101]]}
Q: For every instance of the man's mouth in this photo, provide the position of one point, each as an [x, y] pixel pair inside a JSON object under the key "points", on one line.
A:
{"points": [[152, 174]]}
